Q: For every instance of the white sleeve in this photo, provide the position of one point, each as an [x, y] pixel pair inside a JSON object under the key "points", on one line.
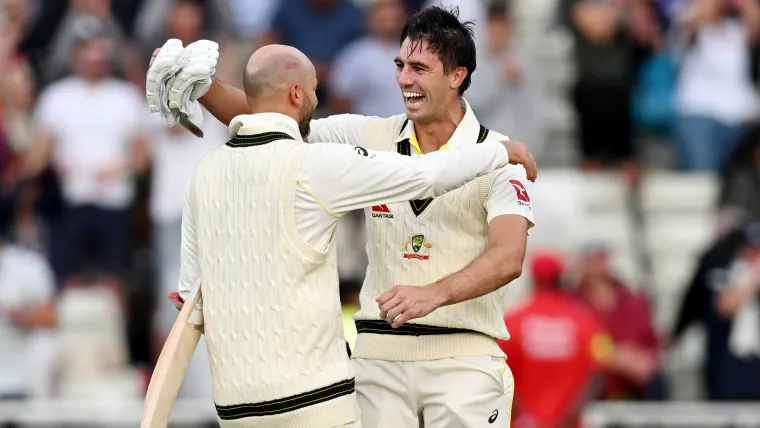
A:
{"points": [[340, 128], [343, 178], [189, 269], [510, 194], [45, 112]]}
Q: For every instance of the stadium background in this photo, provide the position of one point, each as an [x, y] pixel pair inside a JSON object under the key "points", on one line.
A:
{"points": [[572, 86]]}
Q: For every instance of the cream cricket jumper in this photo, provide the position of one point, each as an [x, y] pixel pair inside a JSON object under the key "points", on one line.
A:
{"points": [[418, 242], [271, 307]]}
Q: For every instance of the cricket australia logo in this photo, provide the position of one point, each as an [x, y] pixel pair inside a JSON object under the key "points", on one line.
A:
{"points": [[420, 248]]}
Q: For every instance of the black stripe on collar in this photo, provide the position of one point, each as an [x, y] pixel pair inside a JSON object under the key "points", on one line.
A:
{"points": [[483, 134], [257, 139]]}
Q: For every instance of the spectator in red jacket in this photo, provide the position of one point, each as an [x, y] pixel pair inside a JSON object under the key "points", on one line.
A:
{"points": [[626, 315], [557, 351]]}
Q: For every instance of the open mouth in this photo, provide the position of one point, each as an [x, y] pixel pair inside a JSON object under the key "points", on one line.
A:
{"points": [[413, 98]]}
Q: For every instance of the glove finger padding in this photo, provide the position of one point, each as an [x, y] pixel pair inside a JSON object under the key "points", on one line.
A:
{"points": [[159, 79]]}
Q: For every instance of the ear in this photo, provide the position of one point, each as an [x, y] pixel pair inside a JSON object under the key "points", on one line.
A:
{"points": [[458, 76], [296, 95]]}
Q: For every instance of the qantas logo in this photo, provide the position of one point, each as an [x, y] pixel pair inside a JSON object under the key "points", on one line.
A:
{"points": [[381, 211], [522, 194]]}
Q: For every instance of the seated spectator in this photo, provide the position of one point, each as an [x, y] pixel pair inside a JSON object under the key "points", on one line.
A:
{"points": [[636, 360], [557, 351], [27, 307]]}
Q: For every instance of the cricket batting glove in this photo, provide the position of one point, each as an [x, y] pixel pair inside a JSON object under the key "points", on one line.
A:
{"points": [[159, 79], [197, 64]]}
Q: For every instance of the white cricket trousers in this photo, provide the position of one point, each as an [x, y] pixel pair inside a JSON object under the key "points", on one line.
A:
{"points": [[462, 392]]}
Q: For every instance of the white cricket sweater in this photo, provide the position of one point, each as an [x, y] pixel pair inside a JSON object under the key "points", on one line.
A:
{"points": [[270, 296], [270, 301], [419, 242]]}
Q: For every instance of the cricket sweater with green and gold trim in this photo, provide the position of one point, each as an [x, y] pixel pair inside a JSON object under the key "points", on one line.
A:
{"points": [[270, 301], [418, 242], [258, 231]]}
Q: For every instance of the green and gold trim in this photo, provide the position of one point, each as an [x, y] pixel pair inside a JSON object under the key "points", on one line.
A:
{"points": [[383, 327], [257, 139], [404, 147], [287, 404]]}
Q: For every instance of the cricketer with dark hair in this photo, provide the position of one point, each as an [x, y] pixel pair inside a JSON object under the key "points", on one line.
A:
{"points": [[426, 352]]}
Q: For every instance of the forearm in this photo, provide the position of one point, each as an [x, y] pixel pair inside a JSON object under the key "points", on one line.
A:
{"points": [[224, 101], [493, 269], [750, 11], [38, 317], [730, 300]]}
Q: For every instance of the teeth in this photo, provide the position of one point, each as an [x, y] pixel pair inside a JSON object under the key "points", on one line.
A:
{"points": [[412, 95]]}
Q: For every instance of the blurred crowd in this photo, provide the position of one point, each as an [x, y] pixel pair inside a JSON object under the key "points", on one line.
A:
{"points": [[91, 184]]}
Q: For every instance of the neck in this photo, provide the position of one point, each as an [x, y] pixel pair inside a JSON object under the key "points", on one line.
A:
{"points": [[271, 106], [435, 134]]}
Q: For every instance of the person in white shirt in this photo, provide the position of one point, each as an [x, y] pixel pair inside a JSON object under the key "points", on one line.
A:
{"points": [[27, 312], [452, 255], [257, 232], [90, 133]]}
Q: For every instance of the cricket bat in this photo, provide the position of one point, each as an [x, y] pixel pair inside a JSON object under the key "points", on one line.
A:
{"points": [[172, 364]]}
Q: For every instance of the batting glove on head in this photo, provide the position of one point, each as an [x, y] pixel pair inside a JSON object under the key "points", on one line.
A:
{"points": [[159, 79], [197, 65]]}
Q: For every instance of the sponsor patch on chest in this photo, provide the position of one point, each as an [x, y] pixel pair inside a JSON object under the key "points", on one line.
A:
{"points": [[381, 211]]}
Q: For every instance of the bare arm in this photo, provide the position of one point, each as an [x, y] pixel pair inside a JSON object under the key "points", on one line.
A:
{"points": [[733, 297], [499, 265], [37, 158], [750, 11], [140, 155], [224, 101], [40, 316]]}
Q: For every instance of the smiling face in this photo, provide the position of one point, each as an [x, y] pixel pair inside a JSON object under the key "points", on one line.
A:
{"points": [[426, 87]]}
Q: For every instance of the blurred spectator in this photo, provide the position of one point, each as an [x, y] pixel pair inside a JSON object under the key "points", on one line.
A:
{"points": [[84, 17], [734, 324], [740, 193], [635, 363], [715, 96], [90, 133], [186, 20], [253, 18], [318, 28], [485, 77], [557, 351], [608, 36], [697, 306], [516, 103], [27, 309], [363, 79]]}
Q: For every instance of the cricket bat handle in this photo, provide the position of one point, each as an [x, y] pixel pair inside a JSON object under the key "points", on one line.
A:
{"points": [[171, 367]]}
